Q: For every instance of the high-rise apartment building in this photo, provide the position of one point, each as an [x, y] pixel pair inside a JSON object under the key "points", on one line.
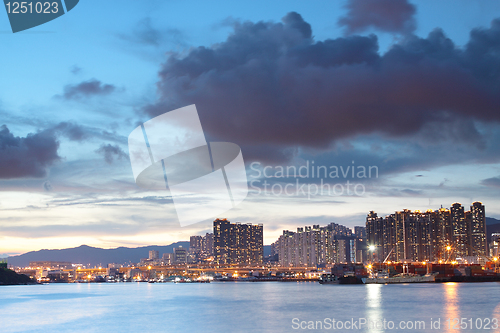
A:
{"points": [[236, 243], [195, 244], [460, 224], [478, 228], [442, 234], [360, 232], [180, 255], [312, 246], [207, 245], [154, 255]]}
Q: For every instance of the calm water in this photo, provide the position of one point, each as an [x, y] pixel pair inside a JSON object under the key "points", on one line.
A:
{"points": [[240, 307]]}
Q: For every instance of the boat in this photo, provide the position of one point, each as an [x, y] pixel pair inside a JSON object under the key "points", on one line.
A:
{"points": [[329, 279], [384, 278]]}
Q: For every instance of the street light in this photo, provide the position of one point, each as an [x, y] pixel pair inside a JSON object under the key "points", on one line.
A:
{"points": [[372, 249]]}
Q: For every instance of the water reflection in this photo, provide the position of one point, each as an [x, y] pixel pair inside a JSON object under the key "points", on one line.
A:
{"points": [[451, 303], [374, 312]]}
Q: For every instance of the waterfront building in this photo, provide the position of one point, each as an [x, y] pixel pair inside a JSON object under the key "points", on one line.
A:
{"points": [[154, 255], [180, 255], [313, 246], [51, 264], [236, 243], [443, 234], [167, 259], [207, 245], [478, 229], [495, 244], [195, 244], [360, 232], [460, 223]]}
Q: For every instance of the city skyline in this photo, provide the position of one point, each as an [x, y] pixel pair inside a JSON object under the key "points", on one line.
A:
{"points": [[412, 95]]}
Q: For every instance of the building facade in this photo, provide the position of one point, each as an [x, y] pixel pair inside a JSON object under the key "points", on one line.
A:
{"points": [[443, 234], [236, 243], [313, 246]]}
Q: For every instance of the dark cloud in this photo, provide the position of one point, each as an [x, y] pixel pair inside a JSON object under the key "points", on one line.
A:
{"points": [[271, 88], [492, 182], [385, 15], [72, 131], [76, 132], [111, 153], [88, 88], [28, 156]]}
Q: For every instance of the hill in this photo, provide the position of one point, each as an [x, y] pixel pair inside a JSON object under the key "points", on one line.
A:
{"points": [[93, 256], [492, 225], [491, 221], [9, 277]]}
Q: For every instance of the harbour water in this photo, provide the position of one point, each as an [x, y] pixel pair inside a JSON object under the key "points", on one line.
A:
{"points": [[249, 307]]}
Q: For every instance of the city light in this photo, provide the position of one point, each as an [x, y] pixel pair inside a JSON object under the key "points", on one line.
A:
{"points": [[372, 248], [448, 248]]}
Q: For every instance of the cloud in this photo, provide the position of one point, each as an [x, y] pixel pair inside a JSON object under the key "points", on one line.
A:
{"points": [[492, 182], [385, 15], [75, 70], [87, 89], [71, 131], [76, 132], [146, 33], [28, 156], [271, 88], [111, 153], [47, 186]]}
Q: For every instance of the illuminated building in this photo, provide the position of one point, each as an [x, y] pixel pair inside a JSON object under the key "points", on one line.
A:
{"points": [[495, 245], [207, 245], [444, 234], [195, 244], [460, 224], [236, 243], [478, 229], [312, 246], [180, 255], [154, 255]]}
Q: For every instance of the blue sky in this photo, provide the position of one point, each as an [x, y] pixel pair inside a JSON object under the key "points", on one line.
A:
{"points": [[73, 89]]}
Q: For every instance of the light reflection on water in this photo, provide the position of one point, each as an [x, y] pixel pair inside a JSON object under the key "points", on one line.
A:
{"points": [[452, 303], [374, 308], [237, 307]]}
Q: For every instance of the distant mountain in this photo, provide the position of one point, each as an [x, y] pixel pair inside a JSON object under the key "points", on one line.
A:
{"points": [[267, 250], [492, 226], [93, 256], [492, 220]]}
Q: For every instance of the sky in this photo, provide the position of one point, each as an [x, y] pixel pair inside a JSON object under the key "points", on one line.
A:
{"points": [[408, 88]]}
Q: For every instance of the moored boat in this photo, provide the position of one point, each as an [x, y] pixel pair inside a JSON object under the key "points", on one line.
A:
{"points": [[400, 278], [329, 279]]}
